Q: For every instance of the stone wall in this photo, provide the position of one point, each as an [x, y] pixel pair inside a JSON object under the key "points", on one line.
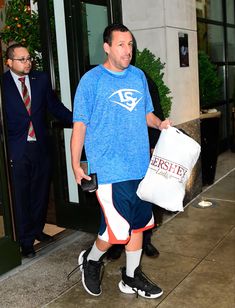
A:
{"points": [[194, 184]]}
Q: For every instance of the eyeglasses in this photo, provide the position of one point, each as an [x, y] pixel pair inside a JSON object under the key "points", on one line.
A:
{"points": [[23, 60]]}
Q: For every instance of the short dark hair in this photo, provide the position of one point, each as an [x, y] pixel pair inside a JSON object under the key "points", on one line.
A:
{"points": [[10, 50], [107, 35]]}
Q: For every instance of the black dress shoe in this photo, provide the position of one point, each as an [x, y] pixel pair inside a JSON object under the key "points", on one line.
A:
{"points": [[151, 251], [43, 237], [114, 252], [28, 251]]}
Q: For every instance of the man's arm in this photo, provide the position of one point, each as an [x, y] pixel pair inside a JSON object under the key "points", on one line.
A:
{"points": [[154, 122], [76, 146]]}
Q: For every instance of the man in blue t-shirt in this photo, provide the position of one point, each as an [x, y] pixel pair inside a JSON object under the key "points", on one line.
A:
{"points": [[149, 249], [112, 112]]}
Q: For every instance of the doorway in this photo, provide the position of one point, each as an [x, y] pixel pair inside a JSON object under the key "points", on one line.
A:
{"points": [[78, 30]]}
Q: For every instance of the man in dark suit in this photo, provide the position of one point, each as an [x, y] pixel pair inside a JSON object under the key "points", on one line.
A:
{"points": [[27, 98]]}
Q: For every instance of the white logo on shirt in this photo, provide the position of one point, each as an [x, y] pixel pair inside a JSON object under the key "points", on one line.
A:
{"points": [[126, 98]]}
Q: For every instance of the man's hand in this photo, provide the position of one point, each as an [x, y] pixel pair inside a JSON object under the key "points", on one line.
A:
{"points": [[80, 174], [165, 124], [154, 122]]}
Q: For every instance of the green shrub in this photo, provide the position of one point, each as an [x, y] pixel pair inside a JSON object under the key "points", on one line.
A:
{"points": [[153, 67], [209, 81]]}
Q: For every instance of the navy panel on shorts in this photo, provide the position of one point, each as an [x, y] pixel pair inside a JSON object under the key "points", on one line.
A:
{"points": [[125, 204]]}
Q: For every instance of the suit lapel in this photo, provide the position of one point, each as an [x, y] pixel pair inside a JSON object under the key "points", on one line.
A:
{"points": [[17, 101]]}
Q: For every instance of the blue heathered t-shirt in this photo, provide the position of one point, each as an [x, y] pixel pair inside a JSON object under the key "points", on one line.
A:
{"points": [[113, 107]]}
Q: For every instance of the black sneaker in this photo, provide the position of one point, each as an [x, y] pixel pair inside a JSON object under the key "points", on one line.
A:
{"points": [[91, 273], [140, 284]]}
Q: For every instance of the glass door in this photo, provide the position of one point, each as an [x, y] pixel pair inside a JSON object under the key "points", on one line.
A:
{"points": [[10, 256]]}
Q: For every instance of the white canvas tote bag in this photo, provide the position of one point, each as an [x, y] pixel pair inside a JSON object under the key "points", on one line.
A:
{"points": [[173, 159]]}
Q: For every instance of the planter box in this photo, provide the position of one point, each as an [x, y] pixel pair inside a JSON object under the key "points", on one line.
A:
{"points": [[210, 123]]}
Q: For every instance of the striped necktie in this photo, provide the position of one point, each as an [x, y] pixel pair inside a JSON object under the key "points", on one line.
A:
{"points": [[27, 102]]}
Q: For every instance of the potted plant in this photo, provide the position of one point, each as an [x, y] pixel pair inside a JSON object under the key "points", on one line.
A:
{"points": [[210, 93]]}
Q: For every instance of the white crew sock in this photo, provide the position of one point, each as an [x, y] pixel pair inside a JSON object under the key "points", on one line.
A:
{"points": [[132, 261], [95, 254]]}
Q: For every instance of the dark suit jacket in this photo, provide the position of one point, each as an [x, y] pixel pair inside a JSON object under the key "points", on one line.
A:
{"points": [[153, 90], [43, 99]]}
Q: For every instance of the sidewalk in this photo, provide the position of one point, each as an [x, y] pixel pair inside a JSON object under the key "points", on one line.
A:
{"points": [[196, 266]]}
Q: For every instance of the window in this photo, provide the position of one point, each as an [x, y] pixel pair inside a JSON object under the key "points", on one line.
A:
{"points": [[230, 11], [209, 9], [216, 43], [216, 36], [221, 73], [85, 21], [231, 44], [95, 19], [95, 16], [231, 81], [211, 40]]}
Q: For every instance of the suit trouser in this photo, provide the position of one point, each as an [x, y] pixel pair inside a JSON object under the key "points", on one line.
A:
{"points": [[31, 184]]}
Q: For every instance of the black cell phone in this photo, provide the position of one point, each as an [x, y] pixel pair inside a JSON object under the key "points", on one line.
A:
{"points": [[86, 185], [91, 185]]}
